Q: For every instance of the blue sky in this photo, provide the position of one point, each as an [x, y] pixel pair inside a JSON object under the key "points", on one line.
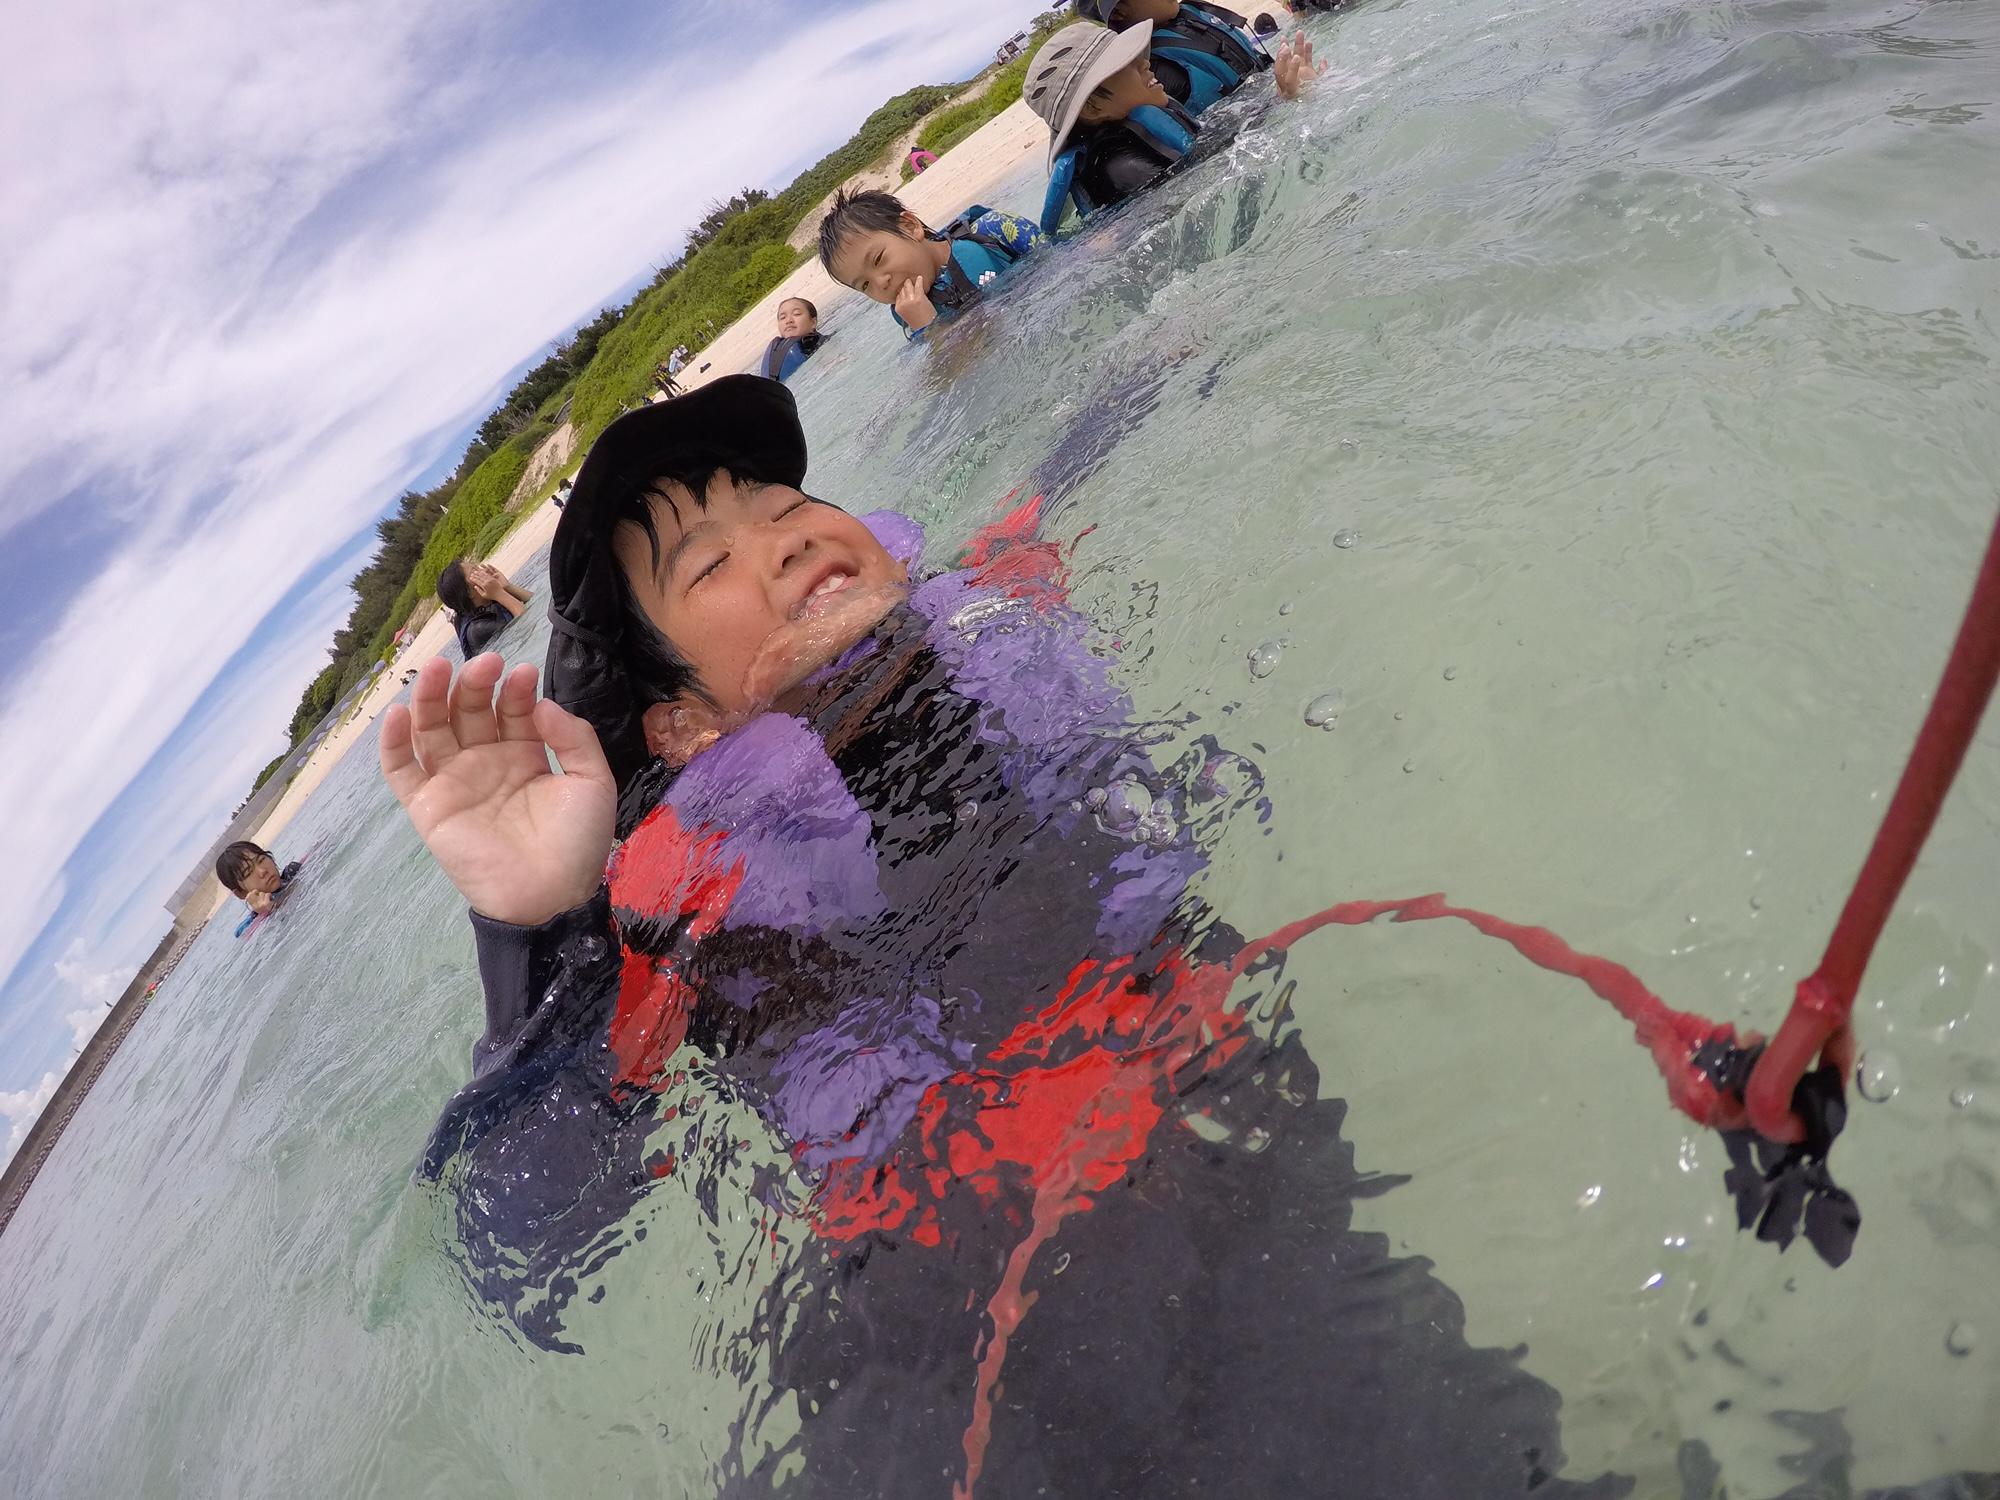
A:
{"points": [[262, 267]]}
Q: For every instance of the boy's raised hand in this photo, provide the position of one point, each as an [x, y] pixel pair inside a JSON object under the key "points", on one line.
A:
{"points": [[520, 842], [913, 304], [1293, 67]]}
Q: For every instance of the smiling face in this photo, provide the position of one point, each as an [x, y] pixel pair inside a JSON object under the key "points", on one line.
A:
{"points": [[795, 319], [757, 589], [1123, 92], [880, 262]]}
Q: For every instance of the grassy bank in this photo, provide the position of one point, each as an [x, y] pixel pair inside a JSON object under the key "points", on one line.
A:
{"points": [[949, 126]]}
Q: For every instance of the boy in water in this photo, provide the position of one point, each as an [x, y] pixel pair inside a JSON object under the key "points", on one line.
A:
{"points": [[249, 872], [1200, 52], [895, 863], [1115, 128], [925, 276]]}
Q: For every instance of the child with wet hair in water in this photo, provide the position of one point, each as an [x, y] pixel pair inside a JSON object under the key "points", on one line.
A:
{"points": [[250, 873], [870, 872], [924, 276]]}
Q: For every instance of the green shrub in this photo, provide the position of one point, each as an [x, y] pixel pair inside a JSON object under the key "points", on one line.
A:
{"points": [[947, 127], [495, 531], [767, 266]]}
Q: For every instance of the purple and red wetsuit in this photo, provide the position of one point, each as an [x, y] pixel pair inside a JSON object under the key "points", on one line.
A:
{"points": [[1078, 1228]]}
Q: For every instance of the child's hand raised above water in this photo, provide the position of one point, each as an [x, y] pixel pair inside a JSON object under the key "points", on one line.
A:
{"points": [[520, 842], [1293, 67]]}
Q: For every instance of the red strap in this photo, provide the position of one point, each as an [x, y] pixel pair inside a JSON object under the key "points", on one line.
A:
{"points": [[1819, 1014], [1672, 1036]]}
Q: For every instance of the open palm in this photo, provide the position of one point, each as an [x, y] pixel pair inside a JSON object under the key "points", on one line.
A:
{"points": [[520, 842]]}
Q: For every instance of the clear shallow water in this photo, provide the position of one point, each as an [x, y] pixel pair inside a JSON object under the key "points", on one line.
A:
{"points": [[1648, 354]]}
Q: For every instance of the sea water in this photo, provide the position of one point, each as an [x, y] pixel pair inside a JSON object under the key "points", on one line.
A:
{"points": [[1596, 404]]}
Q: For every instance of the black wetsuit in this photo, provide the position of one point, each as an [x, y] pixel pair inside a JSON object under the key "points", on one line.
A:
{"points": [[1117, 160], [1206, 1318], [477, 628]]}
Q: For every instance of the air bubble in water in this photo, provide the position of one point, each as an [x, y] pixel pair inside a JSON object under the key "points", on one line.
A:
{"points": [[968, 811], [1344, 538], [1285, 608], [1264, 660], [1961, 1098], [1324, 711], [1126, 804], [1095, 798], [1960, 1339], [1878, 1076], [1451, 674], [1409, 766]]}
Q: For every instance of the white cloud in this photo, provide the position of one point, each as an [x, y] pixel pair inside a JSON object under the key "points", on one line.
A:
{"points": [[98, 987], [23, 1107], [255, 259]]}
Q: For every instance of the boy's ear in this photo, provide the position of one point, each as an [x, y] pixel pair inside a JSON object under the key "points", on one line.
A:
{"points": [[913, 227], [679, 731]]}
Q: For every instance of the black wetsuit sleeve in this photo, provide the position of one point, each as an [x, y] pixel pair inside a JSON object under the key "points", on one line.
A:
{"points": [[521, 967]]}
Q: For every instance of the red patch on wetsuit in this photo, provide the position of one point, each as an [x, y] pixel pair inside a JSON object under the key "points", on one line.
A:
{"points": [[666, 872]]}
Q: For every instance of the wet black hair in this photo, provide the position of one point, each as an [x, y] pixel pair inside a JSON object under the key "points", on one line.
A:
{"points": [[811, 311], [233, 864], [452, 589], [857, 213]]}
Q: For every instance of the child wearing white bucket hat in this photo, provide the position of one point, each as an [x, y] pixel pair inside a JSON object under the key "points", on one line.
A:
{"points": [[1113, 128]]}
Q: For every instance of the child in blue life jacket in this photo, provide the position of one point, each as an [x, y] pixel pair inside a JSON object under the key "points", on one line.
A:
{"points": [[1200, 52], [898, 874], [798, 339], [925, 276], [1115, 125]]}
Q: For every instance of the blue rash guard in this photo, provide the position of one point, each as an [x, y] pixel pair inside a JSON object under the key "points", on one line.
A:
{"points": [[985, 245]]}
